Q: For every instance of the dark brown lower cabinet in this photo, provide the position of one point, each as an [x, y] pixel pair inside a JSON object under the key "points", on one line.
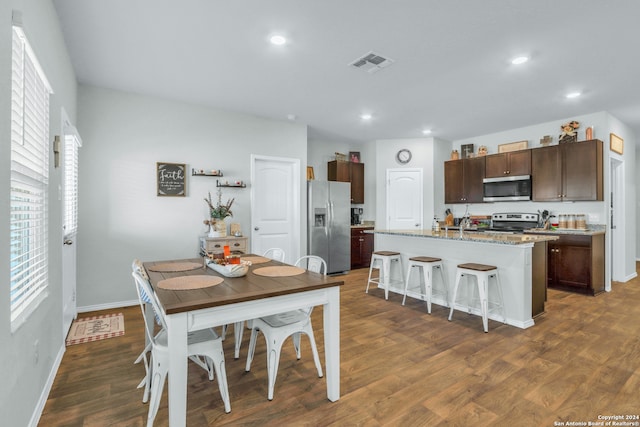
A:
{"points": [[361, 247], [576, 263]]}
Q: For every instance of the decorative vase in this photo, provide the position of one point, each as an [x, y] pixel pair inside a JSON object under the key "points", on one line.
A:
{"points": [[220, 227], [213, 232]]}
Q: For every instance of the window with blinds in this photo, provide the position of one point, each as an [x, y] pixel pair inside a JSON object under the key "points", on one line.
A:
{"points": [[71, 145], [29, 181]]}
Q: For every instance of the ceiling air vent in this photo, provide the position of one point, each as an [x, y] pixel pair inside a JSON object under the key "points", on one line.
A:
{"points": [[371, 62]]}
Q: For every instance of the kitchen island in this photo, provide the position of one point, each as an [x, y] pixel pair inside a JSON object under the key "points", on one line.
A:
{"points": [[521, 260]]}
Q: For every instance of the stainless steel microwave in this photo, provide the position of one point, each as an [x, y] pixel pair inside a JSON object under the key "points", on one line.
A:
{"points": [[507, 189]]}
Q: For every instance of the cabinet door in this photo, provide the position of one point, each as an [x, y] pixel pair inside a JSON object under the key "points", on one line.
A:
{"points": [[573, 266], [453, 181], [496, 165], [357, 182], [366, 249], [356, 259], [338, 171], [580, 164], [546, 174], [473, 176], [519, 163]]}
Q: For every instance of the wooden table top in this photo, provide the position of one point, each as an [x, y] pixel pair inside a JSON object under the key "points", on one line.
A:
{"points": [[233, 289]]}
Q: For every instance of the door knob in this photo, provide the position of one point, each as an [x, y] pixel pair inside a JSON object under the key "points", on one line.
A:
{"points": [[68, 242], [256, 228]]}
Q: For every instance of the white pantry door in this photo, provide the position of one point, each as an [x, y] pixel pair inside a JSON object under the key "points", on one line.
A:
{"points": [[275, 205], [404, 199]]}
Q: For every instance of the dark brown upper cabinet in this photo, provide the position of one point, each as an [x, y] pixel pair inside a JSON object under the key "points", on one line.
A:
{"points": [[514, 163], [463, 180], [568, 172]]}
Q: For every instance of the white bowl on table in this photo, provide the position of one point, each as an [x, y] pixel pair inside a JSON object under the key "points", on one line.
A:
{"points": [[230, 270]]}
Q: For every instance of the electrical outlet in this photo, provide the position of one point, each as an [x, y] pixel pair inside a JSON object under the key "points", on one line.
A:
{"points": [[36, 352]]}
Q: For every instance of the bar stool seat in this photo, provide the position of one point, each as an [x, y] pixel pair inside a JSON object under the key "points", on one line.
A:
{"points": [[384, 280], [427, 265], [482, 273]]}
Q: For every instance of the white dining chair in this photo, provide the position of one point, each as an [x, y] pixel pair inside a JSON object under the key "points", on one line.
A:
{"points": [[276, 254], [203, 347], [312, 263], [278, 327]]}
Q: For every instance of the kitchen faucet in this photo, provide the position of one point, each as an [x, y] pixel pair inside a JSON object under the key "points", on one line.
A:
{"points": [[464, 222]]}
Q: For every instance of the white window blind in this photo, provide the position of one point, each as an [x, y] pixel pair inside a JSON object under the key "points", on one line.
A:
{"points": [[29, 181], [71, 145]]}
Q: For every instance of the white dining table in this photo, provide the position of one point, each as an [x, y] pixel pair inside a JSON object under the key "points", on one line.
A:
{"points": [[236, 300]]}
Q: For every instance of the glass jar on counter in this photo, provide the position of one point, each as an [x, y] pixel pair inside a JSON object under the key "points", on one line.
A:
{"points": [[571, 221], [562, 221], [581, 222]]}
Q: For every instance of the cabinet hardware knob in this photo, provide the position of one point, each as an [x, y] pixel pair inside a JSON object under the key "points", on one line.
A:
{"points": [[256, 228]]}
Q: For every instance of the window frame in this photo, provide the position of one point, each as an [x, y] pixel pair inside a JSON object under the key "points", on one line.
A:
{"points": [[29, 183]]}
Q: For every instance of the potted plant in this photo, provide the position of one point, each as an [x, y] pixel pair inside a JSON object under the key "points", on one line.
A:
{"points": [[217, 215]]}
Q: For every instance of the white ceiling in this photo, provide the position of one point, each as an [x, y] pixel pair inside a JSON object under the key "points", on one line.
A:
{"points": [[452, 70]]}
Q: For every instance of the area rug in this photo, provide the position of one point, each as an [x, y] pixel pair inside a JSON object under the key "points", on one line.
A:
{"points": [[96, 328]]}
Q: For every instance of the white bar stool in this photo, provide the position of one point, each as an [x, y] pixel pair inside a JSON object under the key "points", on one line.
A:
{"points": [[384, 259], [427, 265], [482, 273]]}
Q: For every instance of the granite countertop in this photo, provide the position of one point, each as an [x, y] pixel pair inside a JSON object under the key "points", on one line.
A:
{"points": [[592, 230], [472, 236]]}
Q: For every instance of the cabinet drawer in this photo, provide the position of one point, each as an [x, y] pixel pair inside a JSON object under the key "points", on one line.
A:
{"points": [[360, 231], [236, 244]]}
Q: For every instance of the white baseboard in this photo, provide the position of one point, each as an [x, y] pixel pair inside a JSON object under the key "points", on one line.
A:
{"points": [[109, 306], [37, 412]]}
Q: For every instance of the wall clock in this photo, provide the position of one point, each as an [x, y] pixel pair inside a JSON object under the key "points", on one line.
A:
{"points": [[403, 156]]}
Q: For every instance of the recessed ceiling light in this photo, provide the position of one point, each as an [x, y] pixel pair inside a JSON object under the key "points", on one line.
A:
{"points": [[365, 116], [426, 131], [278, 40], [573, 95], [519, 60]]}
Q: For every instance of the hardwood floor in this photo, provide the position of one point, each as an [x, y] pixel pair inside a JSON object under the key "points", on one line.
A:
{"points": [[399, 366]]}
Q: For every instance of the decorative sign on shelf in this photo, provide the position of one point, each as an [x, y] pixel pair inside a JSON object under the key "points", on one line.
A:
{"points": [[171, 179]]}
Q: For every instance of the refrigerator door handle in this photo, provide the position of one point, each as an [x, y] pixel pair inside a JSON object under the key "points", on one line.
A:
{"points": [[330, 210]]}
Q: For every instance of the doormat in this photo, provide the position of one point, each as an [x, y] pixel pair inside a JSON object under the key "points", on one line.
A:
{"points": [[96, 328]]}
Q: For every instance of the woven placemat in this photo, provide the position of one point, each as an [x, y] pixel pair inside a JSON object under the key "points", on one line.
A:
{"points": [[256, 259], [279, 271], [184, 283], [169, 267]]}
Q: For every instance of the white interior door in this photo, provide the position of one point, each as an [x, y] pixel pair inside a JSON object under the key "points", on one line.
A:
{"points": [[616, 219], [70, 146], [404, 199], [275, 205]]}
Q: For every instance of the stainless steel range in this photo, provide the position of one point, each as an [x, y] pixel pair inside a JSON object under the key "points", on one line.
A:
{"points": [[513, 222]]}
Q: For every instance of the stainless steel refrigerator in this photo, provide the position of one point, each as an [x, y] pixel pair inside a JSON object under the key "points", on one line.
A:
{"points": [[329, 223]]}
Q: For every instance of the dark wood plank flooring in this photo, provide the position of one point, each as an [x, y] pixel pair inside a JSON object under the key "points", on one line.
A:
{"points": [[399, 366]]}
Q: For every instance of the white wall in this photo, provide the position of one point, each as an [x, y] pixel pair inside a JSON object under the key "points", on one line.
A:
{"points": [[121, 217], [428, 155], [25, 378]]}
